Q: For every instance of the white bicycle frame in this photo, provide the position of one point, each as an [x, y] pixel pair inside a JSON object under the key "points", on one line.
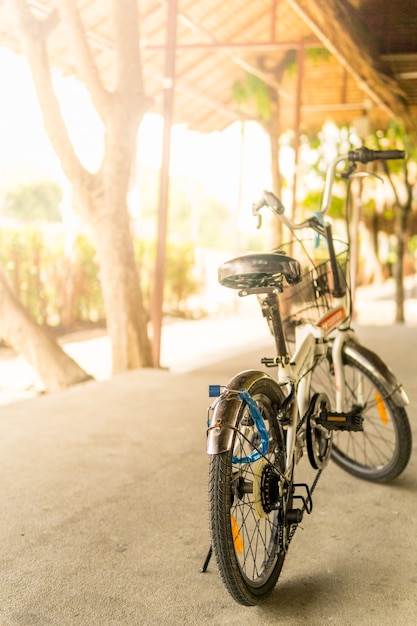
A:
{"points": [[311, 342]]}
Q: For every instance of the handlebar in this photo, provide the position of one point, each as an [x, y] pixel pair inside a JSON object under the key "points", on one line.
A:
{"points": [[362, 155]]}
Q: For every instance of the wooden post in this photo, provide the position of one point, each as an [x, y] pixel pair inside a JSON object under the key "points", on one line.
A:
{"points": [[297, 122], [159, 276]]}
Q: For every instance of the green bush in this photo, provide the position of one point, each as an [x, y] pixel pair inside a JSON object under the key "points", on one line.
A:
{"points": [[58, 289], [179, 274], [30, 202], [61, 288], [180, 283]]}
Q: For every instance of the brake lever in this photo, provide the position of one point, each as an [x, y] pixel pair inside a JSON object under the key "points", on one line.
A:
{"points": [[347, 174], [269, 200], [368, 175]]}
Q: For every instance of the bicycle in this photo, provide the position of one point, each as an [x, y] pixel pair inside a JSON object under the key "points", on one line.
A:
{"points": [[332, 399]]}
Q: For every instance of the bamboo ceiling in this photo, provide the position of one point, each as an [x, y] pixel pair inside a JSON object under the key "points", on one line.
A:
{"points": [[372, 65]]}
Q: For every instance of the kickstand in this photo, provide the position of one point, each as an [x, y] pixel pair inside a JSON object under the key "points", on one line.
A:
{"points": [[207, 561]]}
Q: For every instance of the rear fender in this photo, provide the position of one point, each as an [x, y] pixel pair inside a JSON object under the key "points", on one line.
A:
{"points": [[227, 409]]}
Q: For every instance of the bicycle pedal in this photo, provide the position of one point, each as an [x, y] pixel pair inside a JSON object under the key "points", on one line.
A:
{"points": [[351, 421]]}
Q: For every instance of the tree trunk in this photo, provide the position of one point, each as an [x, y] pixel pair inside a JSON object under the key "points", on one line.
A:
{"points": [[372, 271], [399, 281], [126, 318], [403, 212], [401, 233], [100, 197], [54, 367]]}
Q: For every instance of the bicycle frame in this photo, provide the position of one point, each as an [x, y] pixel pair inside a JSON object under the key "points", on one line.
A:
{"points": [[296, 374], [311, 343]]}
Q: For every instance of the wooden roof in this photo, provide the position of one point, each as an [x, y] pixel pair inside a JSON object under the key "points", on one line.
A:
{"points": [[372, 64]]}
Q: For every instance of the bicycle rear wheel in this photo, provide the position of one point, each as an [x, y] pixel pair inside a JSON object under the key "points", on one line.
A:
{"points": [[382, 450], [245, 498]]}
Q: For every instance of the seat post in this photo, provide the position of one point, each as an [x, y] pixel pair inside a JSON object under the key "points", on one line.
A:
{"points": [[271, 310]]}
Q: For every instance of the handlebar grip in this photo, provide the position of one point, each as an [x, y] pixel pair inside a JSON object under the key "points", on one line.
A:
{"points": [[364, 155]]}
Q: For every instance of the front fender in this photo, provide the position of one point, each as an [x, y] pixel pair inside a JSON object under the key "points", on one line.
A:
{"points": [[226, 411], [379, 369]]}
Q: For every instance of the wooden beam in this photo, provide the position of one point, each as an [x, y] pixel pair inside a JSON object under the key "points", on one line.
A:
{"points": [[241, 46]]}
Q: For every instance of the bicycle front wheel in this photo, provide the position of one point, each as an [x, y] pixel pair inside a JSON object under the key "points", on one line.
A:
{"points": [[382, 450], [244, 498]]}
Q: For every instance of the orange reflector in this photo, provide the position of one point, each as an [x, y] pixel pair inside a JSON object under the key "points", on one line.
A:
{"points": [[237, 539], [382, 409]]}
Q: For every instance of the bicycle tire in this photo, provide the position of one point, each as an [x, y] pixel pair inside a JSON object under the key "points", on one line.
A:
{"points": [[382, 450], [246, 532]]}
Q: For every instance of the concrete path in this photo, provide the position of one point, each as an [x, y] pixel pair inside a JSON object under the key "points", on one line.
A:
{"points": [[104, 511]]}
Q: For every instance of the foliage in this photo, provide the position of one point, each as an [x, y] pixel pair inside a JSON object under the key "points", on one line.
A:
{"points": [[253, 89], [63, 290], [22, 254], [57, 290], [315, 54], [74, 284], [311, 203], [33, 202], [179, 280], [180, 283], [401, 176], [316, 152]]}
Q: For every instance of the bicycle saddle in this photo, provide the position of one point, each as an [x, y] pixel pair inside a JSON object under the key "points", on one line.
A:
{"points": [[259, 269]]}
